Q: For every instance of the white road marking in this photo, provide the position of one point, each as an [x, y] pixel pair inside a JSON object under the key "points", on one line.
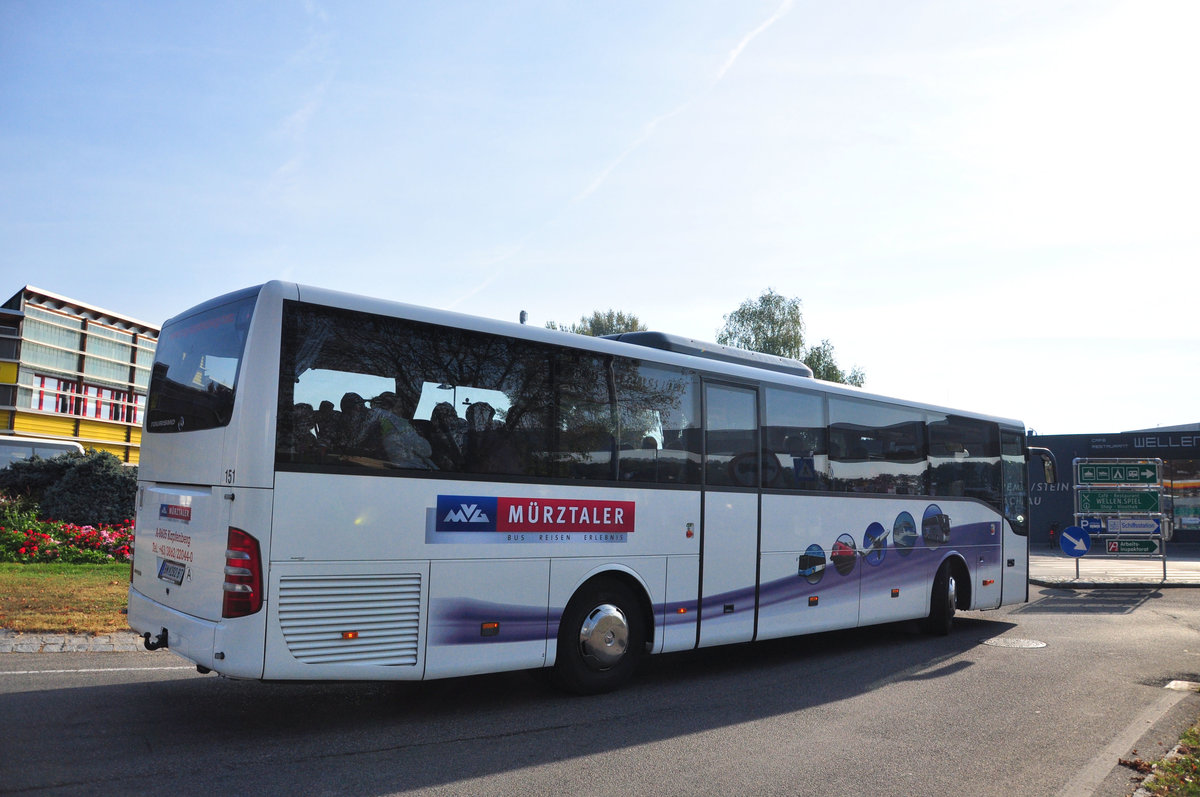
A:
{"points": [[96, 669]]}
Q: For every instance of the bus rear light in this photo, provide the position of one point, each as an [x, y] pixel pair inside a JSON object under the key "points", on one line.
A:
{"points": [[349, 635], [813, 600], [243, 575]]}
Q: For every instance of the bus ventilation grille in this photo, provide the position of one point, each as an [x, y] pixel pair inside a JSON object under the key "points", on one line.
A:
{"points": [[317, 613]]}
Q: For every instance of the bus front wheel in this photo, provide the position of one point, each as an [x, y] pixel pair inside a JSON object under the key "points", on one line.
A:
{"points": [[600, 637], [943, 602]]}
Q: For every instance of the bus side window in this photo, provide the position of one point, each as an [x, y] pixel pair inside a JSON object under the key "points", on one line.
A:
{"points": [[877, 447], [795, 437], [964, 458], [659, 412]]}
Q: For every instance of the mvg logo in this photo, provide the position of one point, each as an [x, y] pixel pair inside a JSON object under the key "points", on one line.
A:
{"points": [[466, 513]]}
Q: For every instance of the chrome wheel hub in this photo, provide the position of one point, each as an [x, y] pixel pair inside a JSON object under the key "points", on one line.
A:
{"points": [[604, 636]]}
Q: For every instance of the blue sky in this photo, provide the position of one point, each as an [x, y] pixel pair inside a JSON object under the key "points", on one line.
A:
{"points": [[989, 205]]}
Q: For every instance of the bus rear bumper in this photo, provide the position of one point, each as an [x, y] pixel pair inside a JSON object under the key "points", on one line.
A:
{"points": [[192, 638]]}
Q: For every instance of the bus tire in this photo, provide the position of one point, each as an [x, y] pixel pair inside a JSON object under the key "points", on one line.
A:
{"points": [[600, 638], [942, 602]]}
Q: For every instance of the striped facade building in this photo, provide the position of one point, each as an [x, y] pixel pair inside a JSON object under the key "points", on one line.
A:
{"points": [[74, 372]]}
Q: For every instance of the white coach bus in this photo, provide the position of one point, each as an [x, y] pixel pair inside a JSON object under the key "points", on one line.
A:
{"points": [[341, 487]]}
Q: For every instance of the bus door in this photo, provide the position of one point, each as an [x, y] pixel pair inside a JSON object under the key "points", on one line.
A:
{"points": [[1014, 476], [730, 525]]}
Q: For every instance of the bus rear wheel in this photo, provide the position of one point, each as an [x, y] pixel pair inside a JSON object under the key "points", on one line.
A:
{"points": [[600, 638], [943, 601]]}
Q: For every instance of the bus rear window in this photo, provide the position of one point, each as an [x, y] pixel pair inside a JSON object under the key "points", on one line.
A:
{"points": [[194, 381]]}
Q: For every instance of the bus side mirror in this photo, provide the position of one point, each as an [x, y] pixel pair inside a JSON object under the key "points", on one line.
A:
{"points": [[1049, 465]]}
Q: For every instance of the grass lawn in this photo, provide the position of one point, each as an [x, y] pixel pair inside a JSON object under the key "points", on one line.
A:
{"points": [[1179, 777], [63, 598]]}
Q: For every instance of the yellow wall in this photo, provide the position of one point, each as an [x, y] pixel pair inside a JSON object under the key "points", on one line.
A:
{"points": [[102, 436], [8, 373], [135, 439], [99, 430], [117, 451], [45, 425]]}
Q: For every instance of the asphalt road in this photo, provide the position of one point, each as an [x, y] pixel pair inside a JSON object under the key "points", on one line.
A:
{"points": [[876, 711]]}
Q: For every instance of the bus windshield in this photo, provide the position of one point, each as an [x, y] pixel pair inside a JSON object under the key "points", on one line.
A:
{"points": [[194, 381]]}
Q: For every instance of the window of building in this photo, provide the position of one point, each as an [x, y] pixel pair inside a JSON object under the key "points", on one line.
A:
{"points": [[1182, 481], [67, 397], [51, 394], [109, 354]]}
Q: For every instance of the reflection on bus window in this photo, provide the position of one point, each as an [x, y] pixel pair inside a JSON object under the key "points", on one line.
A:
{"points": [[964, 458], [194, 378], [731, 455], [876, 448], [795, 436], [384, 393]]}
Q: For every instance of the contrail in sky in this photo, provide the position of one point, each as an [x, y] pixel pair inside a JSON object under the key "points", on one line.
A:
{"points": [[779, 14], [647, 132]]}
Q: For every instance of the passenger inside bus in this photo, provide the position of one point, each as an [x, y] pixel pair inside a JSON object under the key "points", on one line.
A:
{"points": [[403, 446], [378, 433], [448, 435]]}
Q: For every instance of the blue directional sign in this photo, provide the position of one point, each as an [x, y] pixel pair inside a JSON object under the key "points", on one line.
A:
{"points": [[1127, 525], [1135, 525], [1074, 541]]}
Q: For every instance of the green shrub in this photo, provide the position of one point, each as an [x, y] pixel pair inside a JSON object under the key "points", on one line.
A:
{"points": [[25, 481], [92, 488], [96, 489], [16, 515]]}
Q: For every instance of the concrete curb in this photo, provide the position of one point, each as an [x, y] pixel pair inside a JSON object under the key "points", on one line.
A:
{"points": [[119, 642], [1100, 583]]}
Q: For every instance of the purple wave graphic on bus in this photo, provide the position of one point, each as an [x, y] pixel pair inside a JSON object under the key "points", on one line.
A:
{"points": [[836, 575]]}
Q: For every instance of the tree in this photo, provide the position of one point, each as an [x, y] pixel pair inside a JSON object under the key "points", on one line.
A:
{"points": [[600, 323], [773, 324], [824, 365]]}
